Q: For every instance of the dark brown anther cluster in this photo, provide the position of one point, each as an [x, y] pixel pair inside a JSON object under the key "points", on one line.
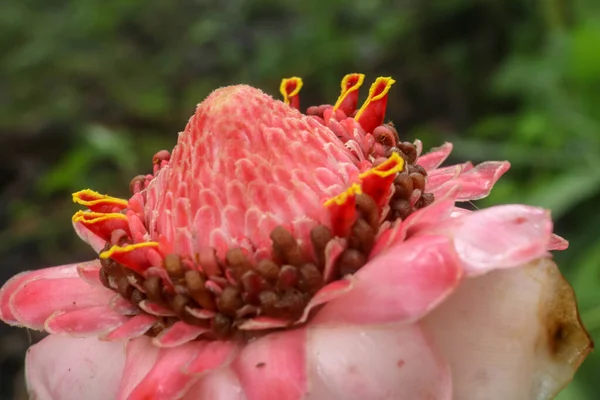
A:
{"points": [[406, 199]]}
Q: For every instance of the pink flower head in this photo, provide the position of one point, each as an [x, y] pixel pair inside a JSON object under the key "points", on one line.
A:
{"points": [[278, 255]]}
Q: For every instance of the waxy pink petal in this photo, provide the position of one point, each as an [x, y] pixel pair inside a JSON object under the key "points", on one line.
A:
{"points": [[67, 368], [393, 361], [34, 301], [435, 157], [274, 366], [166, 379], [84, 322], [403, 283], [474, 184], [17, 281], [498, 237]]}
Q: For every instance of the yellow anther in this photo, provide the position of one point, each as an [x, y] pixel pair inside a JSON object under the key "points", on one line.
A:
{"points": [[350, 83], [126, 249], [94, 217], [90, 198], [290, 87], [342, 198], [378, 90], [392, 165]]}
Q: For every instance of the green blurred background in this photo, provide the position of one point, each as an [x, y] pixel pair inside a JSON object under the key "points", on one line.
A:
{"points": [[90, 89]]}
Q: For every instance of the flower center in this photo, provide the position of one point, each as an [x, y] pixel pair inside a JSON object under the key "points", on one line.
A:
{"points": [[239, 295]]}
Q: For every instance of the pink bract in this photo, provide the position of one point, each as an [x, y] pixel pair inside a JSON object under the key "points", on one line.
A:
{"points": [[278, 255]]}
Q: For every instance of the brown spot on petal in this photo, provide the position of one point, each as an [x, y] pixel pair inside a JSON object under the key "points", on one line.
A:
{"points": [[565, 338]]}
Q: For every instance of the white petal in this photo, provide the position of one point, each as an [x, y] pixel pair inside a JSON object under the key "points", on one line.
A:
{"points": [[367, 362], [67, 368], [511, 334]]}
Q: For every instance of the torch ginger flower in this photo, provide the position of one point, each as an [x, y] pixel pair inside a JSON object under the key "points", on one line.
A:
{"points": [[278, 255]]}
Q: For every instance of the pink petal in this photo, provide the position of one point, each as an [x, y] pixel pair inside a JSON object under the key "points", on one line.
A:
{"points": [[178, 334], [155, 309], [67, 368], [260, 323], [420, 220], [84, 322], [435, 157], [376, 363], [123, 306], [333, 249], [34, 301], [211, 355], [141, 355], [499, 237], [95, 241], [439, 176], [557, 243], [273, 367], [326, 294], [499, 334], [221, 384], [476, 183], [134, 327], [90, 272], [166, 379], [404, 283], [17, 281]]}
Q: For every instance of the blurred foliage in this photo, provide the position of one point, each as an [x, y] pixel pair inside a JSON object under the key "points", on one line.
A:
{"points": [[90, 90]]}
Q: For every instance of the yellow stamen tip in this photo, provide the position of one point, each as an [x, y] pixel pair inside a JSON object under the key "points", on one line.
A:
{"points": [[290, 87], [126, 249], [350, 83], [378, 90], [90, 217], [392, 165], [88, 197], [342, 198]]}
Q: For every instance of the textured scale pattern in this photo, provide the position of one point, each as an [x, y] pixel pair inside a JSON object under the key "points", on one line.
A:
{"points": [[222, 189]]}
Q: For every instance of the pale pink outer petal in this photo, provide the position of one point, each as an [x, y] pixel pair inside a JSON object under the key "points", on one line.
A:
{"points": [[558, 243], [403, 283], [90, 271], [221, 384], [17, 281], [134, 327], [435, 157], [141, 355], [511, 334], [498, 237], [65, 368], [84, 322], [96, 242], [393, 361], [167, 380], [274, 366], [476, 183], [33, 301]]}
